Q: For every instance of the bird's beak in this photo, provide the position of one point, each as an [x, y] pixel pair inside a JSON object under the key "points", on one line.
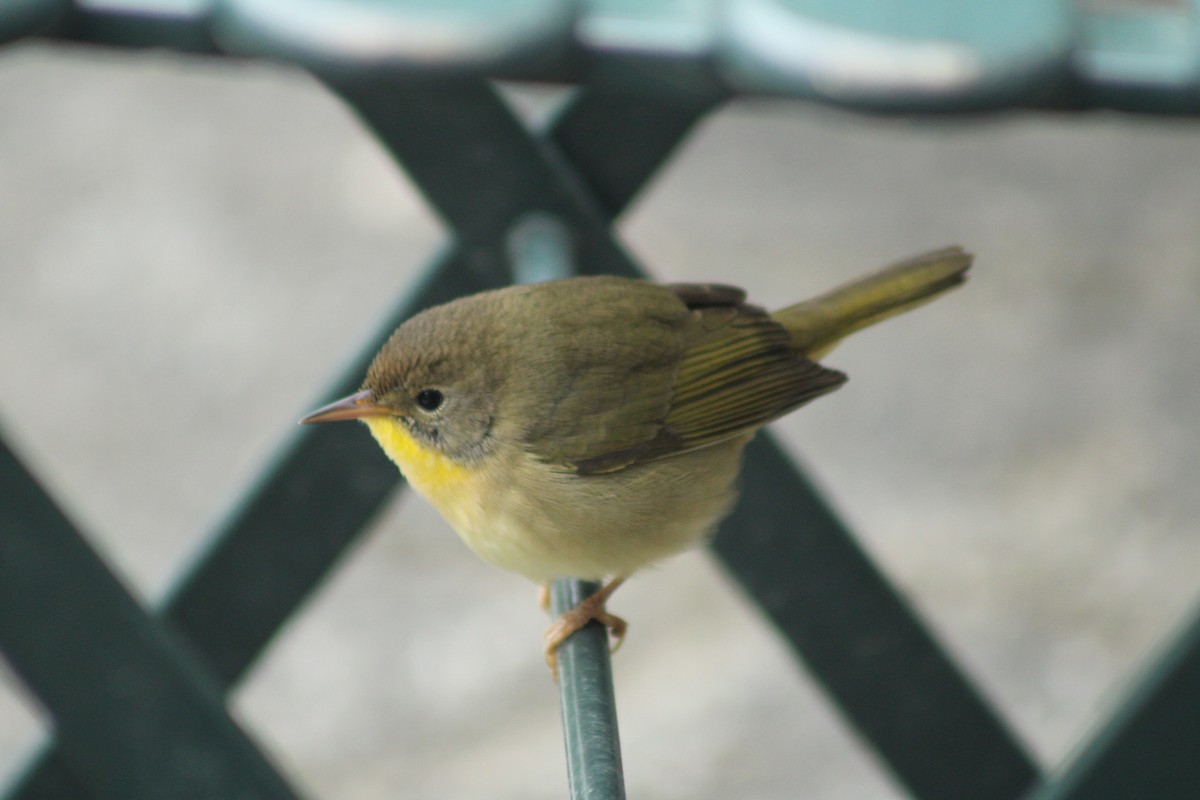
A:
{"points": [[356, 406]]}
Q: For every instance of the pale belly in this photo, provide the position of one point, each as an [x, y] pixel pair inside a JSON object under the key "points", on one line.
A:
{"points": [[524, 516], [546, 524]]}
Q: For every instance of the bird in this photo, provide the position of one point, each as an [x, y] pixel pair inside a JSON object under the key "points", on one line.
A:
{"points": [[591, 426]]}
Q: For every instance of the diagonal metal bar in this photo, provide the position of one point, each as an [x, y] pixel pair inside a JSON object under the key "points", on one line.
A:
{"points": [[279, 541], [134, 719], [861, 641], [286, 533], [311, 504], [1148, 747], [919, 730], [454, 135], [616, 143]]}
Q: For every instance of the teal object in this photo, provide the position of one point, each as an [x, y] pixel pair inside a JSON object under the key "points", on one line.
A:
{"points": [[178, 24], [134, 714], [589, 709], [916, 55], [1147, 59], [25, 17], [355, 37], [883, 56], [1147, 748], [523, 205], [859, 638]]}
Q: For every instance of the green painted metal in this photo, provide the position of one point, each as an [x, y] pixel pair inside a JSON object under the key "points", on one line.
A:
{"points": [[512, 167], [513, 177], [860, 640], [179, 24], [892, 55], [353, 37], [1146, 59], [616, 141], [887, 56], [435, 132], [658, 46], [1149, 746], [654, 68], [290, 529], [132, 715], [589, 708], [280, 540], [25, 17]]}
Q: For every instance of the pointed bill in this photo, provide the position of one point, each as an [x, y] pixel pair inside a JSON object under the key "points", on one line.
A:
{"points": [[356, 406]]}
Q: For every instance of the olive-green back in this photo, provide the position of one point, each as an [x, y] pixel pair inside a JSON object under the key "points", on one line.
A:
{"points": [[639, 371]]}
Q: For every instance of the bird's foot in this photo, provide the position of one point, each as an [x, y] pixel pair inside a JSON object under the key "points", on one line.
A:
{"points": [[591, 608]]}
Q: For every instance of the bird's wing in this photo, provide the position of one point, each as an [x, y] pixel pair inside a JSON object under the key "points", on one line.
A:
{"points": [[718, 369], [602, 392], [738, 374]]}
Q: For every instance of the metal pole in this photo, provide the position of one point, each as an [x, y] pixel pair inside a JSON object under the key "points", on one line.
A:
{"points": [[589, 710]]}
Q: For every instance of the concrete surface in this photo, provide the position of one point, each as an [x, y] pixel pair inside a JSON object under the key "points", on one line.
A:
{"points": [[191, 248]]}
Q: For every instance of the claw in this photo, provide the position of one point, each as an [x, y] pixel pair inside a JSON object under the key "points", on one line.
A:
{"points": [[591, 608]]}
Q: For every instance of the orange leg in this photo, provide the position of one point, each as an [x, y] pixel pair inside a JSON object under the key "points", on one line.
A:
{"points": [[592, 608]]}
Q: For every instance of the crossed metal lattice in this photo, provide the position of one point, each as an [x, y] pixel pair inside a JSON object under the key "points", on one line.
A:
{"points": [[86, 654], [326, 486]]}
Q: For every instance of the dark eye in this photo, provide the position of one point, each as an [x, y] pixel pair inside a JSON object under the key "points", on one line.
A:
{"points": [[430, 399]]}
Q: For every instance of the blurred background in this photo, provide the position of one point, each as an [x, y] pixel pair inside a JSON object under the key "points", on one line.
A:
{"points": [[192, 248]]}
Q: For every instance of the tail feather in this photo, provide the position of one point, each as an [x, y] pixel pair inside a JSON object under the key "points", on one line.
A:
{"points": [[817, 325]]}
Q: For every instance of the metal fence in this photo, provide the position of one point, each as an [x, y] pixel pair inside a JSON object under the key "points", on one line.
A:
{"points": [[137, 696]]}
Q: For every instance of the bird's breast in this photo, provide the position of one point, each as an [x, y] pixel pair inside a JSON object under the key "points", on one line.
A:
{"points": [[528, 517]]}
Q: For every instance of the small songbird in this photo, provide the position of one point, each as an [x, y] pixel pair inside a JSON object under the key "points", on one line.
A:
{"points": [[591, 426]]}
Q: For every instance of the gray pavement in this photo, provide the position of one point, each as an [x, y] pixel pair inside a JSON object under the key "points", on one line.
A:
{"points": [[191, 248]]}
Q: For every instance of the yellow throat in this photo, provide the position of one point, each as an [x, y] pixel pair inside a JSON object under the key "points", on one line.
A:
{"points": [[431, 473], [456, 491]]}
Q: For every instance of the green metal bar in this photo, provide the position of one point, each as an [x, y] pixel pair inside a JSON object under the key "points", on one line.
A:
{"points": [[589, 711], [616, 142], [25, 17], [134, 719], [1150, 747], [859, 638], [451, 135], [312, 503], [182, 25]]}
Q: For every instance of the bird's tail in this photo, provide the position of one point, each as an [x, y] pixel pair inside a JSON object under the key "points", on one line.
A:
{"points": [[817, 325]]}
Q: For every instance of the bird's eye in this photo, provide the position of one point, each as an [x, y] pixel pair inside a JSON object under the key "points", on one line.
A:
{"points": [[430, 399]]}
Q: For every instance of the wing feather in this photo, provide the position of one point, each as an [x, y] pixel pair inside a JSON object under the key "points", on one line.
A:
{"points": [[736, 373]]}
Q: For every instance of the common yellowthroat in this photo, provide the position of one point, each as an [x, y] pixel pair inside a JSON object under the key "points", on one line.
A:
{"points": [[591, 426]]}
